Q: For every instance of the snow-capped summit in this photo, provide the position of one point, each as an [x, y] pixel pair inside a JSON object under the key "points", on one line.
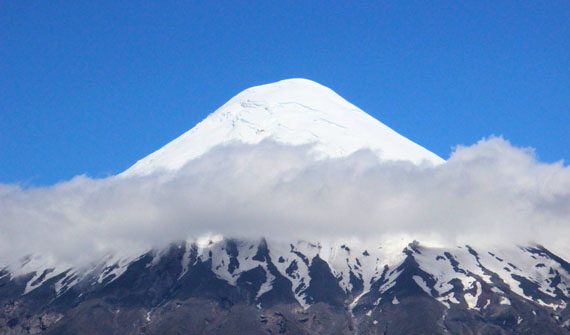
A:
{"points": [[295, 112]]}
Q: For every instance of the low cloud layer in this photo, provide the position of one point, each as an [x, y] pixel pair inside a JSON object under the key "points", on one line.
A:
{"points": [[490, 192]]}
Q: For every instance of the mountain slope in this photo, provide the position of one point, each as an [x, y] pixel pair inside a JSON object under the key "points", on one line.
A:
{"points": [[216, 285], [294, 112], [228, 286]]}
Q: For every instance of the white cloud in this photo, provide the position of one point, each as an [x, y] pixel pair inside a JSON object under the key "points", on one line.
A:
{"points": [[490, 192]]}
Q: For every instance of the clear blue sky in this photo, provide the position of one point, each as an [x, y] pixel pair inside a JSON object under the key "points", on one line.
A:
{"points": [[93, 86]]}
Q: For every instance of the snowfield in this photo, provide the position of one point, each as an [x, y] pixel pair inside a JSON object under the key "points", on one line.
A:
{"points": [[295, 112]]}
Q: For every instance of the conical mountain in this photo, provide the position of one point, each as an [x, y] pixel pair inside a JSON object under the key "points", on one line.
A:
{"points": [[292, 112]]}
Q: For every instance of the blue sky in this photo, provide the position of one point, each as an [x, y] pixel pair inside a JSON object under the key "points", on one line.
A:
{"points": [[91, 87]]}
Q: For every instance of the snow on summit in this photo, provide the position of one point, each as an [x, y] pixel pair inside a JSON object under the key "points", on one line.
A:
{"points": [[292, 112]]}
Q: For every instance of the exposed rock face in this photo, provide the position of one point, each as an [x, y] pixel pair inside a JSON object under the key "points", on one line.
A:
{"points": [[244, 287]]}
